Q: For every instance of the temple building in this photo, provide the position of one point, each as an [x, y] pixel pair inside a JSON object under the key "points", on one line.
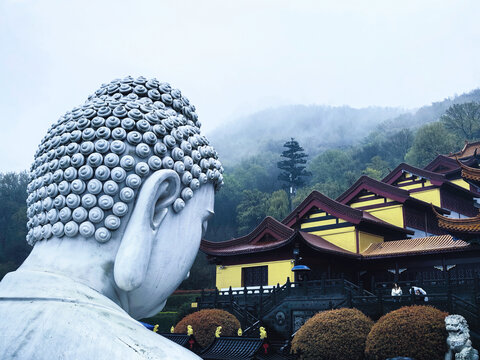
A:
{"points": [[416, 224]]}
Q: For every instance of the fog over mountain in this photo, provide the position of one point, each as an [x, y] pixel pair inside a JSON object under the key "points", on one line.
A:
{"points": [[318, 128]]}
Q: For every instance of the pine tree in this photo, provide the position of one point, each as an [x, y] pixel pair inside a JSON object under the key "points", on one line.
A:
{"points": [[293, 167]]}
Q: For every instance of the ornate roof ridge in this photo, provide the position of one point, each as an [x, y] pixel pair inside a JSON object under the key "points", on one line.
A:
{"points": [[435, 178], [404, 167], [384, 189], [368, 182], [268, 222], [319, 243], [447, 162], [314, 241], [460, 153], [333, 207]]}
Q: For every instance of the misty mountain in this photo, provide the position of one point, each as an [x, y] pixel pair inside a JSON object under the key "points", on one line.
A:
{"points": [[318, 128], [427, 114]]}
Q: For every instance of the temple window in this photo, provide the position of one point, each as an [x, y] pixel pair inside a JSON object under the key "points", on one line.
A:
{"points": [[255, 275]]}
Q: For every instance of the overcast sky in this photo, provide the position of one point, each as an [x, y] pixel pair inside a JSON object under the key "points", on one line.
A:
{"points": [[230, 58]]}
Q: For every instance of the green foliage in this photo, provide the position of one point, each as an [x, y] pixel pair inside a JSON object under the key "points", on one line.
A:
{"points": [[411, 331], [330, 166], [377, 168], [254, 173], [175, 301], [224, 223], [463, 120], [330, 189], [13, 219], [205, 322], [202, 275], [165, 320], [396, 146], [333, 335], [251, 210], [430, 141], [277, 205]]}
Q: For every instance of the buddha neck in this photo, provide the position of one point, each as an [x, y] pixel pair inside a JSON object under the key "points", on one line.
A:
{"points": [[82, 260]]}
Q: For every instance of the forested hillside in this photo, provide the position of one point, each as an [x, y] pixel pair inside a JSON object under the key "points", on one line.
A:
{"points": [[342, 144], [338, 154], [317, 127]]}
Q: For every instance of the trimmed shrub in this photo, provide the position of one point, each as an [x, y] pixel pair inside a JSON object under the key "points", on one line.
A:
{"points": [[333, 335], [205, 322], [411, 331]]}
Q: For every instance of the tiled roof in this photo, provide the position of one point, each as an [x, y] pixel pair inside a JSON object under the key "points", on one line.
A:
{"points": [[275, 356], [447, 166], [377, 187], [470, 173], [316, 242], [233, 348], [337, 209], [320, 244], [382, 189], [469, 226], [276, 232], [435, 179], [418, 246], [180, 339], [468, 150], [320, 201]]}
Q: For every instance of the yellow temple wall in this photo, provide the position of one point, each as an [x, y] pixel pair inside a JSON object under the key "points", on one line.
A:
{"points": [[391, 214], [342, 237], [366, 203], [431, 196], [231, 275], [365, 239], [462, 183]]}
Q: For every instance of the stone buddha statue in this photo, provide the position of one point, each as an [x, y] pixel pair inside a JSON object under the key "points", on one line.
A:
{"points": [[120, 193]]}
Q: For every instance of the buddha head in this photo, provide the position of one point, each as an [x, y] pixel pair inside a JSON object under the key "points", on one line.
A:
{"points": [[128, 167]]}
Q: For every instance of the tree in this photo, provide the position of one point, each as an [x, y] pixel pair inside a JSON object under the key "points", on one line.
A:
{"points": [[293, 168], [377, 168], [431, 140], [251, 210], [330, 166], [397, 145], [463, 120], [13, 218], [277, 205]]}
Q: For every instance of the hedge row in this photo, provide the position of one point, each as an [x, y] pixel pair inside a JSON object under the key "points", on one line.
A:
{"points": [[416, 332]]}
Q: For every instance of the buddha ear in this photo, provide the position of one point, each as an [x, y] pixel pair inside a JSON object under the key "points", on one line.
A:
{"points": [[157, 193]]}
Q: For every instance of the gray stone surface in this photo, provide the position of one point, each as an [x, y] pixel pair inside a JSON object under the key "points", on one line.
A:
{"points": [[458, 340], [121, 190]]}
